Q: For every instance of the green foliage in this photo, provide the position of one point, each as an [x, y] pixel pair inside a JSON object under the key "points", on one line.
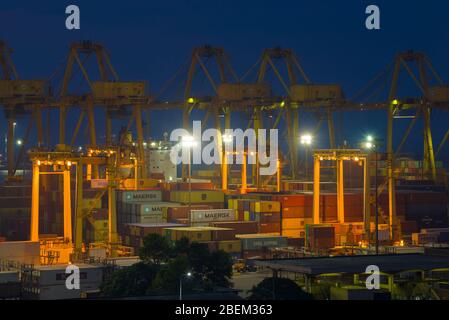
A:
{"points": [[164, 264], [131, 281], [155, 249], [167, 279], [278, 289]]}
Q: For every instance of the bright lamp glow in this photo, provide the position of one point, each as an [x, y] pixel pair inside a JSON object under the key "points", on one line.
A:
{"points": [[188, 141], [189, 274], [369, 145], [227, 138], [306, 139], [19, 142]]}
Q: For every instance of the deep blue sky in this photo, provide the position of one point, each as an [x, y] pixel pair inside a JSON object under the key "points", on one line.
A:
{"points": [[150, 40]]}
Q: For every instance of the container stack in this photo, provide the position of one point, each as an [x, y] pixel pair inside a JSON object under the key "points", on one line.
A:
{"points": [[297, 211], [202, 218], [212, 198], [134, 233], [181, 213], [267, 214], [320, 236], [431, 236]]}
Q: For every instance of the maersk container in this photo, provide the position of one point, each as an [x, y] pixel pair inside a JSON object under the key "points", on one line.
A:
{"points": [[157, 208], [141, 196], [212, 215]]}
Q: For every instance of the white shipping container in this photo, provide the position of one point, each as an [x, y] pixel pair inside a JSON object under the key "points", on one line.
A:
{"points": [[141, 196], [56, 275], [212, 215], [155, 208]]}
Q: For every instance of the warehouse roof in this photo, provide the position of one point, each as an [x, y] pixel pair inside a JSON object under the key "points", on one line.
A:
{"points": [[199, 229], [155, 225], [357, 264]]}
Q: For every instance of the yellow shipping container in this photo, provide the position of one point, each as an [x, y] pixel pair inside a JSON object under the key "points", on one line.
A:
{"points": [[231, 246], [292, 223], [193, 234], [266, 206], [292, 233], [198, 196], [296, 223]]}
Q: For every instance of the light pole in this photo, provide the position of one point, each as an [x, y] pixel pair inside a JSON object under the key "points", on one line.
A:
{"points": [[306, 141], [227, 139], [188, 142], [370, 144], [188, 274]]}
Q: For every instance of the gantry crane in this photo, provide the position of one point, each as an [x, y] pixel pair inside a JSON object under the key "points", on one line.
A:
{"points": [[62, 163], [299, 93], [113, 95], [20, 98]]}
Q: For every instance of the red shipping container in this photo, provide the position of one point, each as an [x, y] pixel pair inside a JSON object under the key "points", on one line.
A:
{"points": [[268, 217], [211, 245], [295, 200], [297, 212], [223, 235], [182, 212], [269, 227], [243, 227]]}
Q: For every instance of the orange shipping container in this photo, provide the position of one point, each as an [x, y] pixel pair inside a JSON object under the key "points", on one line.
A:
{"points": [[296, 200], [269, 227], [297, 212], [293, 233], [293, 223]]}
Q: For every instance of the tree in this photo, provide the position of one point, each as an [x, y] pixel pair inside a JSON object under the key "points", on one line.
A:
{"points": [[219, 269], [278, 289], [181, 247], [168, 278], [155, 249], [131, 281]]}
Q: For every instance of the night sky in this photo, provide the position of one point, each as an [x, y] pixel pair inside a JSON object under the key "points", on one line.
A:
{"points": [[151, 40]]}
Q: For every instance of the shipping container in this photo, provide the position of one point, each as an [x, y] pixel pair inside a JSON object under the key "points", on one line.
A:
{"points": [[141, 196], [297, 212], [233, 246], [240, 227], [212, 215], [259, 241], [293, 233], [296, 200], [269, 227], [203, 196], [267, 217], [265, 206], [197, 234], [20, 251]]}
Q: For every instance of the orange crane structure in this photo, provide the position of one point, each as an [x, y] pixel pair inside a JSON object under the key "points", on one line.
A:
{"points": [[227, 94]]}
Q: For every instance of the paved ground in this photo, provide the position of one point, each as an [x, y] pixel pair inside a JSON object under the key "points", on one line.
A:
{"points": [[246, 281]]}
